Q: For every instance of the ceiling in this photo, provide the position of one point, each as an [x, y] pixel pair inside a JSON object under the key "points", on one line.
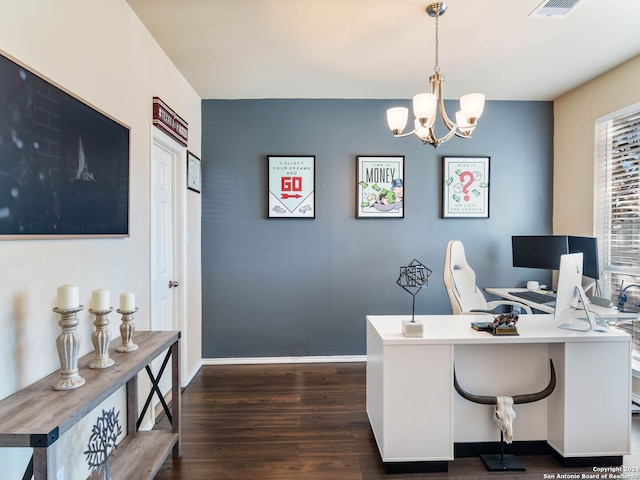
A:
{"points": [[229, 49]]}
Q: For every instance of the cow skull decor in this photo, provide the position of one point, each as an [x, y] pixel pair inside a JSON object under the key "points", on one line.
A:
{"points": [[504, 413]]}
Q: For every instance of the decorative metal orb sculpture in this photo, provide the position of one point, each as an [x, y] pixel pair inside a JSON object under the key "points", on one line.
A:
{"points": [[412, 278]]}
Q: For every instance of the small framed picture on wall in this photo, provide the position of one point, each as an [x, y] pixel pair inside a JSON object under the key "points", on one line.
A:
{"points": [[465, 187], [193, 172], [291, 186], [380, 187]]}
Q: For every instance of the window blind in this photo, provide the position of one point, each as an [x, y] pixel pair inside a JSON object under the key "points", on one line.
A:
{"points": [[617, 201]]}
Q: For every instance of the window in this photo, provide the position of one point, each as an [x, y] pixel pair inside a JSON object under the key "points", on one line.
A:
{"points": [[617, 206]]}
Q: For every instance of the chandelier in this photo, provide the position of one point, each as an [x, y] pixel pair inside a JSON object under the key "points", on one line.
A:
{"points": [[426, 105]]}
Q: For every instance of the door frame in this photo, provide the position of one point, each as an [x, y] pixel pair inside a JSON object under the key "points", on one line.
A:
{"points": [[179, 217]]}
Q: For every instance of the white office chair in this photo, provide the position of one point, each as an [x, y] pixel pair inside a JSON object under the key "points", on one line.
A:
{"points": [[460, 282]]}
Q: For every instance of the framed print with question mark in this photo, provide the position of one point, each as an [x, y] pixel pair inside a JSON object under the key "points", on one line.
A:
{"points": [[465, 187]]}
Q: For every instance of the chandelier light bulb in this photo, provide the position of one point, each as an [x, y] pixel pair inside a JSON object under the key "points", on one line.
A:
{"points": [[424, 108], [472, 105], [397, 119]]}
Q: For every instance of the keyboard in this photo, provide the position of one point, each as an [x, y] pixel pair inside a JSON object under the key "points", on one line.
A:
{"points": [[536, 297]]}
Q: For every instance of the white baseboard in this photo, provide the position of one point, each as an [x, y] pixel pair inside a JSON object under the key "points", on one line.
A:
{"points": [[268, 360], [190, 375]]}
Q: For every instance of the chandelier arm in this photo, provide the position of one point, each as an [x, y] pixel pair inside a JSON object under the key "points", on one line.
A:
{"points": [[430, 138], [461, 135], [400, 135], [447, 137], [436, 88], [443, 113]]}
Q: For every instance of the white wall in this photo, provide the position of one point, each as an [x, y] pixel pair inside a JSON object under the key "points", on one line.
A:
{"points": [[575, 114], [100, 52]]}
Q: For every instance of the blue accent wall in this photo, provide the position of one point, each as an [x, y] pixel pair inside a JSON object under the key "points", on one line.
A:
{"points": [[298, 287]]}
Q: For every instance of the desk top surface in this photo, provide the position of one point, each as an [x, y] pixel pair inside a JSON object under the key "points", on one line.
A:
{"points": [[609, 313], [456, 329]]}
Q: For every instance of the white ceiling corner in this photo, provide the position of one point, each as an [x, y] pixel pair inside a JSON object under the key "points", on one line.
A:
{"points": [[230, 49]]}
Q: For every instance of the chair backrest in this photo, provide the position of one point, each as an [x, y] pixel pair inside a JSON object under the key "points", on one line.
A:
{"points": [[460, 280]]}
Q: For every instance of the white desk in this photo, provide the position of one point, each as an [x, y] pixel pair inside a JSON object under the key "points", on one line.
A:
{"points": [[417, 416], [609, 313]]}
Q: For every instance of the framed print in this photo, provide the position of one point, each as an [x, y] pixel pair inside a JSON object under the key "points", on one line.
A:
{"points": [[380, 187], [193, 172], [465, 187], [64, 166], [292, 186]]}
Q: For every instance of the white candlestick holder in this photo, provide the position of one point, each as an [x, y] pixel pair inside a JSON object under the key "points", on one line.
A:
{"points": [[101, 338], [127, 327], [68, 345]]}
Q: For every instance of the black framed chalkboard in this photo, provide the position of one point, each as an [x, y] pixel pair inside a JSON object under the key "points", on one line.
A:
{"points": [[64, 166]]}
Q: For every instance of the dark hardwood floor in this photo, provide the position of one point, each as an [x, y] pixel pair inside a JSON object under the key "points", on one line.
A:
{"points": [[308, 421]]}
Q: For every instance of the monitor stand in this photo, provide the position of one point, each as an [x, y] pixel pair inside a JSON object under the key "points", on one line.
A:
{"points": [[585, 326], [582, 324]]}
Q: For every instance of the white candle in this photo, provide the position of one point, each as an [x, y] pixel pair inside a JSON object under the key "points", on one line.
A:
{"points": [[127, 301], [68, 297], [100, 300]]}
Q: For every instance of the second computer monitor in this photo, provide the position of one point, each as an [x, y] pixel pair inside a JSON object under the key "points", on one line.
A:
{"points": [[539, 251], [588, 246]]}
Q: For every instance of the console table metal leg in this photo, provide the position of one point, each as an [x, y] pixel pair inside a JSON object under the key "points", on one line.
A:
{"points": [[176, 398]]}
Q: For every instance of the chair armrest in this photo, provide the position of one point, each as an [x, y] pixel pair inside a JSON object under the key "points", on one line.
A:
{"points": [[497, 303]]}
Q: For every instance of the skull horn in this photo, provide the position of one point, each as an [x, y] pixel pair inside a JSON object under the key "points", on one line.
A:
{"points": [[491, 400], [483, 399], [534, 397]]}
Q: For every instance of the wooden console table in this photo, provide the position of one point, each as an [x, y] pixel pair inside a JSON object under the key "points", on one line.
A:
{"points": [[37, 415]]}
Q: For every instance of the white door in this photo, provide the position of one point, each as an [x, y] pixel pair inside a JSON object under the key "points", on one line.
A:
{"points": [[167, 244], [162, 256]]}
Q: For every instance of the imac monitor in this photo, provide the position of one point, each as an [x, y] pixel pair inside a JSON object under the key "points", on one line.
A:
{"points": [[539, 251], [569, 295], [589, 248]]}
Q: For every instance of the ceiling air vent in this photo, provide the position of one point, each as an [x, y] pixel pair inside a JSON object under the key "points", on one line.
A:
{"points": [[555, 8]]}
